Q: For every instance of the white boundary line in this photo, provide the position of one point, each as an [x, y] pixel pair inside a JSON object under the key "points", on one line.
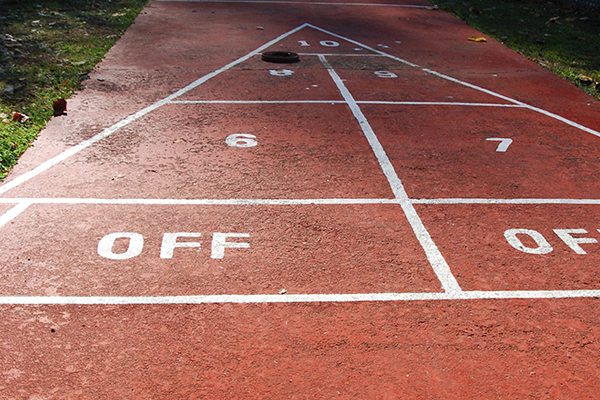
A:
{"points": [[195, 202], [319, 3], [434, 256], [402, 103], [298, 298], [340, 55], [14, 212], [441, 103], [236, 202], [257, 102], [507, 201]]}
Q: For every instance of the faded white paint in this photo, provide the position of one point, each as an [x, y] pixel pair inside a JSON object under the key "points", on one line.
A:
{"points": [[543, 247], [574, 242], [220, 243], [136, 245], [169, 243]]}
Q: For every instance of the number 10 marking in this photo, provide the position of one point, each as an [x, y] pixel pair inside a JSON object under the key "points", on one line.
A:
{"points": [[503, 145]]}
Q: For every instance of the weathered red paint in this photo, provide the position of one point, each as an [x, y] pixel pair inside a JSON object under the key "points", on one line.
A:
{"points": [[419, 349]]}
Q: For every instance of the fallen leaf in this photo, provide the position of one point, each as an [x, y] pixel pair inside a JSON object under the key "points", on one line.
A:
{"points": [[585, 79], [477, 39], [20, 117], [78, 62], [59, 106], [553, 19]]}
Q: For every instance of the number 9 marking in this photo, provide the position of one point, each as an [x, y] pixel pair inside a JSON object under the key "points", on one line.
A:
{"points": [[241, 140]]}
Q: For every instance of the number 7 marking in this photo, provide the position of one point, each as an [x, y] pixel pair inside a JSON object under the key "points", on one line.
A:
{"points": [[504, 143]]}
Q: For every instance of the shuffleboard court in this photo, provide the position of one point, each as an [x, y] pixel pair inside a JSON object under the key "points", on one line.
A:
{"points": [[400, 214]]}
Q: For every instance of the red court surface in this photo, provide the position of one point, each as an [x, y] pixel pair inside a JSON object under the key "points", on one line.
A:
{"points": [[403, 214]]}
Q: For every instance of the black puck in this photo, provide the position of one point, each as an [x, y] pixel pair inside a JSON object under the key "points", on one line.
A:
{"points": [[281, 57]]}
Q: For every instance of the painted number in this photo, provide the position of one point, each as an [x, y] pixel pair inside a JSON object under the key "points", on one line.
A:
{"points": [[241, 140], [326, 43], [542, 246], [385, 74], [329, 43], [503, 145], [281, 72]]}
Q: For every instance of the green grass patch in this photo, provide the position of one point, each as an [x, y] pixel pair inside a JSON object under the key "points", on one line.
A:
{"points": [[562, 38], [47, 48]]}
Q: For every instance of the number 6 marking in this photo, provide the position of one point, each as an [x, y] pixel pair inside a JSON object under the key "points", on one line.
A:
{"points": [[241, 140], [504, 143]]}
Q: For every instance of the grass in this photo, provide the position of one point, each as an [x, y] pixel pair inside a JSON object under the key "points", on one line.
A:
{"points": [[47, 48], [563, 39]]}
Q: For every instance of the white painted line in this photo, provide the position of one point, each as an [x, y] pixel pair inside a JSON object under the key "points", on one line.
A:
{"points": [[442, 103], [74, 150], [384, 162], [317, 3], [238, 202], [437, 261], [196, 202], [507, 201], [14, 212], [257, 102], [298, 298], [402, 103], [341, 55]]}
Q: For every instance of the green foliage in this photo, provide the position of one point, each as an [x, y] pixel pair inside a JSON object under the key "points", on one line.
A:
{"points": [[47, 47], [563, 39]]}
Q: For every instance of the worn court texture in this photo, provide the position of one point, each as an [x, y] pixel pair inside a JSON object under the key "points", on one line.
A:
{"points": [[403, 214]]}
